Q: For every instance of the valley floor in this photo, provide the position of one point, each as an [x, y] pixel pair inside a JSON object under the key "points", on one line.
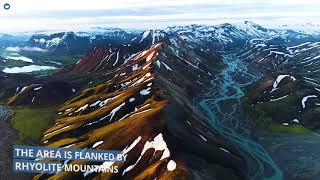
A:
{"points": [[296, 154], [223, 107], [273, 155]]}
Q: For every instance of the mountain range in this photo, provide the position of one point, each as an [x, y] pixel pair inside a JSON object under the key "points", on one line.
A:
{"points": [[167, 98]]}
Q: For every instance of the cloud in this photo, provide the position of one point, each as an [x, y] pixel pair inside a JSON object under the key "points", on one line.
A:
{"points": [[26, 48], [13, 49], [63, 5], [35, 15]]}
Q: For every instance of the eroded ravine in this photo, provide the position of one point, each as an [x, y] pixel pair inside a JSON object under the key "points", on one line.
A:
{"points": [[7, 135], [222, 104]]}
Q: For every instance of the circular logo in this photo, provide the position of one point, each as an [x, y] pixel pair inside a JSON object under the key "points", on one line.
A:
{"points": [[6, 6]]}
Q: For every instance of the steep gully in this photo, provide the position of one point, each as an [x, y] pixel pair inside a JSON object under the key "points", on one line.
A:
{"points": [[222, 107], [7, 135]]}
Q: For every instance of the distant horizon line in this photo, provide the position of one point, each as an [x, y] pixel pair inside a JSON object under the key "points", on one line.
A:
{"points": [[92, 28]]}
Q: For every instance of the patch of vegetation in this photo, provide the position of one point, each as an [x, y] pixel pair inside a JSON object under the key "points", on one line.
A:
{"points": [[264, 114], [31, 123], [291, 128], [317, 110], [284, 109]]}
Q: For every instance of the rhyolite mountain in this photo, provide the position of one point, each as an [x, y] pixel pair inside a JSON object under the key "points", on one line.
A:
{"points": [[144, 108], [138, 96]]}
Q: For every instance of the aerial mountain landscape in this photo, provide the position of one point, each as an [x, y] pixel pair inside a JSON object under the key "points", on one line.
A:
{"points": [[230, 101]]}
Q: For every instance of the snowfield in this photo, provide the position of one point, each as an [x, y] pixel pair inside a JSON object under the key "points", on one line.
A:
{"points": [[305, 99], [278, 80]]}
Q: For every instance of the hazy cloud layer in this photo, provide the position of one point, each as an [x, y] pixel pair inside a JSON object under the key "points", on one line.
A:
{"points": [[26, 48], [142, 14]]}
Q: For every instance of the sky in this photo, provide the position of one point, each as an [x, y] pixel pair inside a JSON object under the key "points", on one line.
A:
{"points": [[55, 15]]}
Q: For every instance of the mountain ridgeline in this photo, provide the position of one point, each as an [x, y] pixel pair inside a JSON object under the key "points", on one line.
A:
{"points": [[221, 37]]}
